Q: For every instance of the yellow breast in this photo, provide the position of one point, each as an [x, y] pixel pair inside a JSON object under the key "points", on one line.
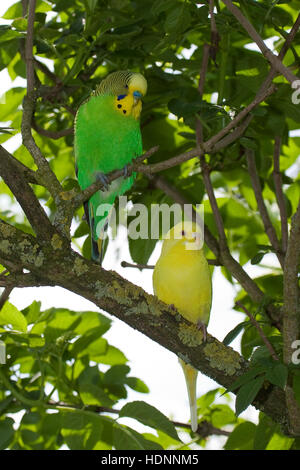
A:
{"points": [[183, 279]]}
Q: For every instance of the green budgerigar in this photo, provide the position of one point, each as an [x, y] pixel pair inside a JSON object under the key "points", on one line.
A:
{"points": [[107, 138]]}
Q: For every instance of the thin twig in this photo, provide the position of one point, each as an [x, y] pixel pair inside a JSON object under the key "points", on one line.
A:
{"points": [[259, 330], [205, 428], [4, 296], [273, 59], [214, 35], [125, 264], [214, 206], [43, 68], [270, 231], [279, 194], [45, 173], [29, 61], [51, 134], [94, 187], [204, 65]]}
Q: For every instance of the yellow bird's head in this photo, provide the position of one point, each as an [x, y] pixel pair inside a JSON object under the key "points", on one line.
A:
{"points": [[185, 236]]}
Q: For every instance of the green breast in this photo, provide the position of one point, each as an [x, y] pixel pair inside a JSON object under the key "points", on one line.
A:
{"points": [[105, 139]]}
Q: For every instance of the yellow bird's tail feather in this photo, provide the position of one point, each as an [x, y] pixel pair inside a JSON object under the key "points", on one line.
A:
{"points": [[190, 374]]}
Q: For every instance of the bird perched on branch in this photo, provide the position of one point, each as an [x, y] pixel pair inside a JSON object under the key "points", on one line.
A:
{"points": [[182, 278], [107, 138]]}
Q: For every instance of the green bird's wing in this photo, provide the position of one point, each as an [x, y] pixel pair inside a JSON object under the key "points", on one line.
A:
{"points": [[104, 141]]}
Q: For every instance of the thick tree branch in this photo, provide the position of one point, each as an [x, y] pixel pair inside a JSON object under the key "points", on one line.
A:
{"points": [[45, 174], [279, 194], [55, 263], [291, 314], [29, 61], [29, 175], [14, 178], [273, 59]]}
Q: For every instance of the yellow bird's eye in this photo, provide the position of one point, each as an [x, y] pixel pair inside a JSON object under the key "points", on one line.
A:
{"points": [[183, 233]]}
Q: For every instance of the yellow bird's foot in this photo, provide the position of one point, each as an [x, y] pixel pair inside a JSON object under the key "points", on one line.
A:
{"points": [[202, 326]]}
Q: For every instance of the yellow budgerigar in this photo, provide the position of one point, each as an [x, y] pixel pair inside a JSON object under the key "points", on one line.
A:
{"points": [[182, 278]]}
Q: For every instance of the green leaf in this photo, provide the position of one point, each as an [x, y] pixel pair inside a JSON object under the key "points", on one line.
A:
{"points": [[264, 432], [7, 53], [137, 384], [280, 442], [141, 250], [234, 332], [13, 98], [277, 375], [241, 438], [158, 6], [248, 143], [6, 432], [83, 430], [150, 416], [10, 315], [32, 312], [126, 438], [14, 11], [204, 402], [246, 377], [247, 394], [91, 394], [296, 386], [116, 374], [178, 19], [221, 415], [257, 258]]}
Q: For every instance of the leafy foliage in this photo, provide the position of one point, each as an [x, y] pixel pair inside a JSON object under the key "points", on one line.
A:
{"points": [[64, 375]]}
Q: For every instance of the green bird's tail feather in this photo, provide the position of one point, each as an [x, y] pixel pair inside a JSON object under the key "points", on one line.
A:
{"points": [[98, 244], [98, 211]]}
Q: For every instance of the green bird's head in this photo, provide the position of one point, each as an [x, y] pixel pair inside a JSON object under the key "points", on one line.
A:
{"points": [[128, 88]]}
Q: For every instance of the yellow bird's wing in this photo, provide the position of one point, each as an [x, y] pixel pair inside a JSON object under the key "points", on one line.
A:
{"points": [[182, 278]]}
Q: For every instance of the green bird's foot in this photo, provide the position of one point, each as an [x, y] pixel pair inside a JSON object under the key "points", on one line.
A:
{"points": [[125, 171], [103, 179], [202, 326]]}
